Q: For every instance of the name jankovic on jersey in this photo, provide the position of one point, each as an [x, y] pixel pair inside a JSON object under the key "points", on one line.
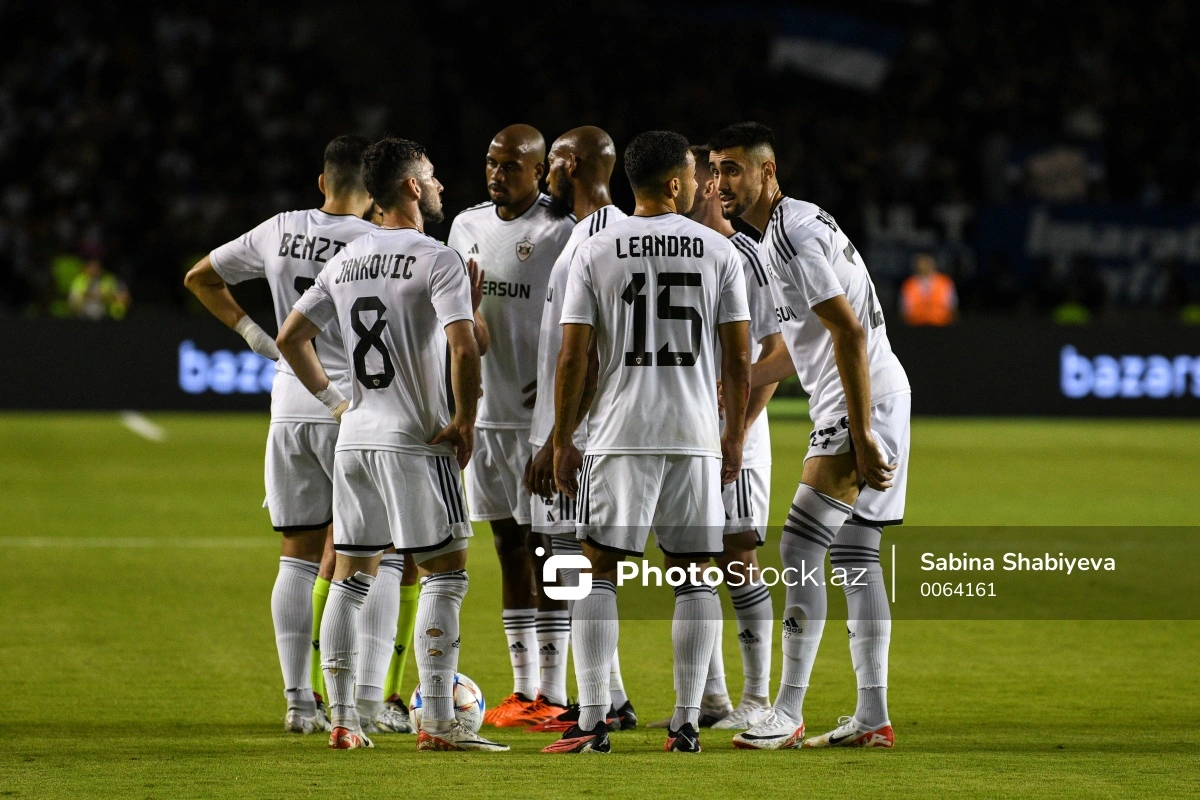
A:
{"points": [[1016, 562], [376, 265]]}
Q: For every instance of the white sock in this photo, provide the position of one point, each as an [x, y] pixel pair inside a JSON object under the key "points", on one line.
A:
{"points": [[755, 617], [716, 662], [856, 550], [616, 685], [339, 643], [291, 611], [594, 632], [553, 634], [693, 628], [520, 627], [377, 635], [810, 528], [436, 643]]}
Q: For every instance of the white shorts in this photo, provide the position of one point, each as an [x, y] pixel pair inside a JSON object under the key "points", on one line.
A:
{"points": [[383, 498], [747, 502], [299, 475], [621, 497], [496, 475], [555, 517], [890, 424]]}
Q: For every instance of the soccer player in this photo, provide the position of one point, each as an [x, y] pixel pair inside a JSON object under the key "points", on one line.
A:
{"points": [[514, 240], [655, 291], [398, 298], [289, 250], [856, 470], [581, 165], [747, 500]]}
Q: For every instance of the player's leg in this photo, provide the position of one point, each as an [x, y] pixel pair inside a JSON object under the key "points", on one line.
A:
{"points": [[361, 535], [689, 525], [553, 635], [493, 489], [746, 502], [377, 634], [291, 613], [854, 557], [426, 507], [828, 487], [320, 596], [611, 522], [410, 591], [299, 497]]}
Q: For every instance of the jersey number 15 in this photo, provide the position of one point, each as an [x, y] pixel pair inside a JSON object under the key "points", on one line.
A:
{"points": [[666, 357]]}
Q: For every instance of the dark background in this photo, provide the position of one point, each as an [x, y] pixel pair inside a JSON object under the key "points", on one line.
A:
{"points": [[146, 136]]}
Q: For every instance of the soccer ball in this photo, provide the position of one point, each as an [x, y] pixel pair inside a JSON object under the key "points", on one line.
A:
{"points": [[468, 703]]}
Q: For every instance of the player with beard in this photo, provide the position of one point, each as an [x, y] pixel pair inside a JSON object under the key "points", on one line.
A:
{"points": [[747, 500], [855, 474], [581, 165], [399, 298], [513, 240]]}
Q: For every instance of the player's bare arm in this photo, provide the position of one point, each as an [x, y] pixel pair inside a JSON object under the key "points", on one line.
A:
{"points": [[761, 395], [568, 392], [208, 287], [464, 382], [295, 343], [850, 354], [735, 386], [773, 365]]}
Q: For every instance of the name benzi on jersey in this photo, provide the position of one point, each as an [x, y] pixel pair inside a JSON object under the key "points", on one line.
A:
{"points": [[671, 246], [375, 266], [305, 247]]}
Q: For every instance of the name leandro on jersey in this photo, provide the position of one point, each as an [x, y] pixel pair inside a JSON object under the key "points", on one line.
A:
{"points": [[308, 248], [669, 245]]}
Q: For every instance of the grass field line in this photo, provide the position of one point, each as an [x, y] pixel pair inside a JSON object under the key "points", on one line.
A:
{"points": [[201, 542]]}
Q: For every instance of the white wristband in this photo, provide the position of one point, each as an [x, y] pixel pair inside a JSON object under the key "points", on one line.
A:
{"points": [[334, 400], [259, 340]]}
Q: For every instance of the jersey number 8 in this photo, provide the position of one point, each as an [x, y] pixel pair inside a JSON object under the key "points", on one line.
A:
{"points": [[368, 340]]}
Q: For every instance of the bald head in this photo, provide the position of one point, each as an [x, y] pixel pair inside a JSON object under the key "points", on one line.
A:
{"points": [[581, 162], [516, 162]]}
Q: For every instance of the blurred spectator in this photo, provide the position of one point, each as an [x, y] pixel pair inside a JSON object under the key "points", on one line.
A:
{"points": [[928, 297], [96, 294]]}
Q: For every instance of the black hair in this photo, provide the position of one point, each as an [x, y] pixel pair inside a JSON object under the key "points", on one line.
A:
{"points": [[653, 156], [701, 153], [385, 164], [745, 135], [343, 164]]}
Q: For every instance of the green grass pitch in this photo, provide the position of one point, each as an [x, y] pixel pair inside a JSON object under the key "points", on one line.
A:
{"points": [[138, 658]]}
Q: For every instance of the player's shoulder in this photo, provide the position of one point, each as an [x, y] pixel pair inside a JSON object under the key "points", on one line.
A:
{"points": [[746, 248], [541, 213], [474, 214], [802, 219]]}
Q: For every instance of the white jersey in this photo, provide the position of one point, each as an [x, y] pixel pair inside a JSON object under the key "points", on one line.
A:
{"points": [[550, 337], [516, 257], [757, 450], [811, 260], [290, 250], [392, 292], [655, 289]]}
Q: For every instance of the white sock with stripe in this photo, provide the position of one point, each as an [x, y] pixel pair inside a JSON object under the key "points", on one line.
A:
{"points": [[339, 646], [291, 613], [377, 635], [856, 550], [436, 645], [520, 628], [755, 619]]}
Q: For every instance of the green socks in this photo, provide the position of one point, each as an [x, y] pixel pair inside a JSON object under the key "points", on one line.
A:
{"points": [[320, 594], [405, 624]]}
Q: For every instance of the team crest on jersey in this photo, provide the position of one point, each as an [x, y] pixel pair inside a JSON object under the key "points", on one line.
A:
{"points": [[524, 249]]}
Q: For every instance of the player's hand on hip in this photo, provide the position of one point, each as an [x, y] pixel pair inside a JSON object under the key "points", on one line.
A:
{"points": [[731, 460], [539, 474], [460, 436], [567, 461], [873, 466]]}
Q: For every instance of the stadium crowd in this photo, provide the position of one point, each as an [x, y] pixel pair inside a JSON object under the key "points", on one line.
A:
{"points": [[139, 140]]}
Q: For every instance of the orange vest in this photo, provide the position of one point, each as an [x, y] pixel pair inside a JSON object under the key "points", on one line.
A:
{"points": [[928, 301]]}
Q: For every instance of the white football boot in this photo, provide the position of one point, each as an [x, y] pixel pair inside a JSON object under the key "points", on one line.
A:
{"points": [[773, 731], [459, 739], [748, 712], [390, 720], [849, 733], [297, 721]]}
